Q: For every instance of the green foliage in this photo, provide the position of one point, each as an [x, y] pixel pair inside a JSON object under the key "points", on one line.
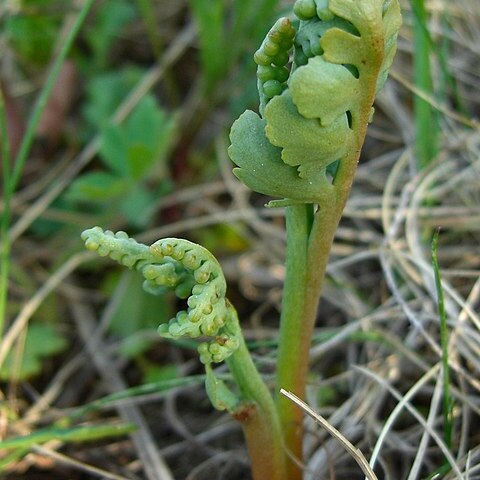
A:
{"points": [[236, 27], [12, 173], [132, 153], [111, 16], [316, 116], [32, 33], [223, 238], [42, 341], [261, 168], [209, 16], [105, 92], [131, 150], [161, 374]]}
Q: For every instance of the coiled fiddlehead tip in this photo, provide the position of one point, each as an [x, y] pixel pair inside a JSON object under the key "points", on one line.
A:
{"points": [[272, 58], [186, 268]]}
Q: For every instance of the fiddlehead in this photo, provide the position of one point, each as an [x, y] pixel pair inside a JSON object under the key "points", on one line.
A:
{"points": [[193, 273], [272, 58], [314, 121]]}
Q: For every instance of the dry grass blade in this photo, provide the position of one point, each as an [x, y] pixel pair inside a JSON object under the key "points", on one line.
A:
{"points": [[351, 449], [82, 466], [22, 319], [421, 420], [153, 464]]}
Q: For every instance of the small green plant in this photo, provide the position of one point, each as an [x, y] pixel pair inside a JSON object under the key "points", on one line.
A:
{"points": [[132, 153], [303, 147], [41, 341]]}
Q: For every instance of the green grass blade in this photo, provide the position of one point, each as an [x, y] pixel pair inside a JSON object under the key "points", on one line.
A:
{"points": [[147, 12], [426, 121], [145, 389], [5, 220], [11, 177], [209, 15], [21, 445], [223, 34], [12, 457], [45, 94], [250, 21], [75, 434], [447, 397]]}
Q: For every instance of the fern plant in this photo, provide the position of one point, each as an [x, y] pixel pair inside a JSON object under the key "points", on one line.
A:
{"points": [[317, 81], [304, 146], [194, 274]]}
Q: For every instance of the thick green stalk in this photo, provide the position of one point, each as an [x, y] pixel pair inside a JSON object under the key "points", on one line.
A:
{"points": [[306, 266], [308, 251], [258, 416], [291, 337]]}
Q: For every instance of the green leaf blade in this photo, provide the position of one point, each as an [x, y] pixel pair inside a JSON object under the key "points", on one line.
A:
{"points": [[113, 150], [42, 341], [97, 187], [315, 90], [261, 167], [305, 143]]}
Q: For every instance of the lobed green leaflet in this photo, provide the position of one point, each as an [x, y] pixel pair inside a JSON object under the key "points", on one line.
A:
{"points": [[312, 118]]}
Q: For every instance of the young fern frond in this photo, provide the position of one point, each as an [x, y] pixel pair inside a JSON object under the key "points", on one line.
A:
{"points": [[303, 147], [272, 58], [189, 270], [315, 120], [194, 274], [317, 78]]}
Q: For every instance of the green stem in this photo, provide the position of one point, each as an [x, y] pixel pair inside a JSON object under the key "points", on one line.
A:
{"points": [[303, 285], [308, 251], [258, 416], [447, 396], [292, 339]]}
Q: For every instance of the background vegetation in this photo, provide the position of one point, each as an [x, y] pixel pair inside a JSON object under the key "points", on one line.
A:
{"points": [[117, 114]]}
